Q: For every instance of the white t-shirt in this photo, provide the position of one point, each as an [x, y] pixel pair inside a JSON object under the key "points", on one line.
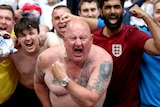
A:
{"points": [[12, 3], [46, 16]]}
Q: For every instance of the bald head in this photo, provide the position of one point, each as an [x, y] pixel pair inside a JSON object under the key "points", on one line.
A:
{"points": [[78, 25], [77, 40]]}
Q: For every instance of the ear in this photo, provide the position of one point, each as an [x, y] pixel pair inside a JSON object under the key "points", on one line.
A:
{"points": [[100, 11], [152, 14], [124, 12], [92, 37], [79, 13]]}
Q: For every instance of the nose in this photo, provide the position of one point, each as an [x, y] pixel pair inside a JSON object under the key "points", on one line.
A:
{"points": [[3, 20], [78, 41], [113, 10], [27, 37], [90, 14]]}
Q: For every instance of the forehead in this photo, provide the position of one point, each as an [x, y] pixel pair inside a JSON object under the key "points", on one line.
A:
{"points": [[89, 4], [6, 13], [157, 5], [112, 2], [77, 29], [60, 11], [27, 31]]}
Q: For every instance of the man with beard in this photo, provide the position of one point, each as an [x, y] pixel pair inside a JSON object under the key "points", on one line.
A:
{"points": [[126, 45]]}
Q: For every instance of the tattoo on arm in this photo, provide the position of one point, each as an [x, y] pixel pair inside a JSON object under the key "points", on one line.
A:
{"points": [[104, 73], [40, 74], [39, 58]]}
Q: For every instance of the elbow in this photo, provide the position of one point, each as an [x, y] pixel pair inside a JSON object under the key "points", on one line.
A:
{"points": [[90, 104]]}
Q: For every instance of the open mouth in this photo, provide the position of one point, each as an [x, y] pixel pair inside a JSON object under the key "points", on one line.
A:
{"points": [[29, 44], [113, 20], [78, 52], [3, 28], [62, 27]]}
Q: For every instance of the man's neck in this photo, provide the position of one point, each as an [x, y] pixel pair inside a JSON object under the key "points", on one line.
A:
{"points": [[109, 33]]}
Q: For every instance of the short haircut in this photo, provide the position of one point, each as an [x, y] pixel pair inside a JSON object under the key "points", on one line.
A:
{"points": [[25, 24], [89, 1], [101, 2], [60, 6], [7, 7]]}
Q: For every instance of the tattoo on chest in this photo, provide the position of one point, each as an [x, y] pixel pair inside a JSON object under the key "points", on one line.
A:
{"points": [[84, 77], [56, 82]]}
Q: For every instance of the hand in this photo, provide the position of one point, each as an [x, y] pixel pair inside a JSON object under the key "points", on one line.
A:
{"points": [[59, 70], [42, 39], [66, 17], [137, 12], [18, 13]]}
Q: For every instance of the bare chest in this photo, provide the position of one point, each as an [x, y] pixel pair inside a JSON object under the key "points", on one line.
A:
{"points": [[25, 64]]}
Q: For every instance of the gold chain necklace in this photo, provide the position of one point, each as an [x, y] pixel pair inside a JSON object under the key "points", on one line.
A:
{"points": [[76, 79]]}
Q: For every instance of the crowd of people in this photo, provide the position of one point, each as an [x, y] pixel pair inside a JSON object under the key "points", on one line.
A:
{"points": [[86, 53]]}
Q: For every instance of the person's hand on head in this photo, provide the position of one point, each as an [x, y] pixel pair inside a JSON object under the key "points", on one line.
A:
{"points": [[66, 17], [42, 38]]}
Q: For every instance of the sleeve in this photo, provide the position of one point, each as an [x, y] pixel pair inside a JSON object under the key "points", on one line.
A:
{"points": [[100, 23], [141, 37]]}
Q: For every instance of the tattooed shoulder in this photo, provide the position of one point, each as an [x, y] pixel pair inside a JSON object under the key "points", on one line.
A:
{"points": [[40, 75], [102, 77], [40, 58]]}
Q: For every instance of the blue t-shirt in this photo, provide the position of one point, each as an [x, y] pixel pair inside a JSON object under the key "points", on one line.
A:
{"points": [[100, 23], [149, 82]]}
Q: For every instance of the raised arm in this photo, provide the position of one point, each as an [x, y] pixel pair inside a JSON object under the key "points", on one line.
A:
{"points": [[93, 23], [152, 46]]}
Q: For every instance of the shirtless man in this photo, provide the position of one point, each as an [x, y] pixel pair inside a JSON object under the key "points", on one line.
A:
{"points": [[27, 32], [75, 74]]}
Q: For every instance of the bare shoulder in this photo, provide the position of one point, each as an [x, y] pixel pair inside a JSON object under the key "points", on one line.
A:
{"points": [[99, 53], [48, 56], [51, 39], [52, 35]]}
